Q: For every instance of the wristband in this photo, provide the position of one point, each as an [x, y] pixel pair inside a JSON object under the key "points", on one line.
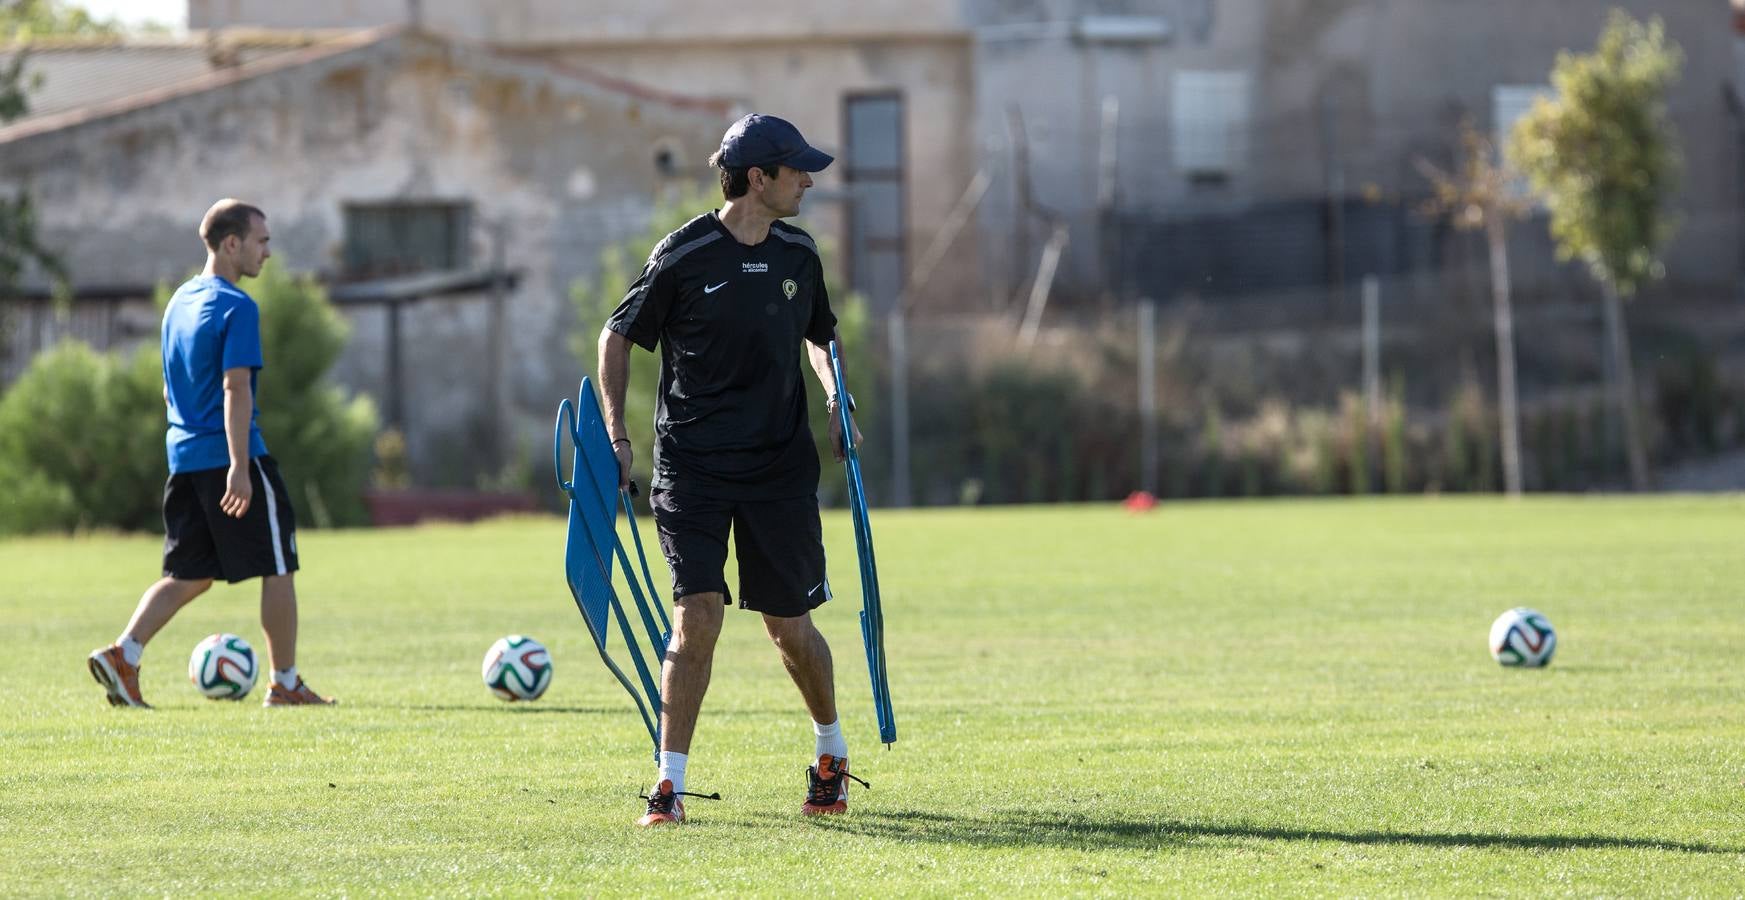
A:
{"points": [[620, 441], [830, 402]]}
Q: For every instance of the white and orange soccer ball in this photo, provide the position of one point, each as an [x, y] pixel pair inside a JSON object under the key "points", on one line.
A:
{"points": [[223, 667], [1523, 637], [517, 668]]}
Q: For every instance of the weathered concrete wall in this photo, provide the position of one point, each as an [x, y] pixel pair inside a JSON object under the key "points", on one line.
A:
{"points": [[563, 167], [1345, 95], [1042, 80], [798, 66], [1429, 62], [809, 85]]}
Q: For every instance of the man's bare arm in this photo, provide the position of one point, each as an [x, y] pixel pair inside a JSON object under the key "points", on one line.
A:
{"points": [[614, 371], [820, 359], [238, 415]]}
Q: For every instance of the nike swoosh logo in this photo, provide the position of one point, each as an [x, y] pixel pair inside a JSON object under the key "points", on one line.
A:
{"points": [[814, 589], [710, 289]]}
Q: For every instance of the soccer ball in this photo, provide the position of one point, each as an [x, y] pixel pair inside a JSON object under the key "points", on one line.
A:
{"points": [[517, 668], [223, 667], [1523, 637]]}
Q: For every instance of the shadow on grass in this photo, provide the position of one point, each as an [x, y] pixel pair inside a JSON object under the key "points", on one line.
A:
{"points": [[1020, 829], [520, 709]]}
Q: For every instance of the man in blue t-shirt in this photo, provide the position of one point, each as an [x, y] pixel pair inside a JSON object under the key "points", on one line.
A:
{"points": [[226, 511]]}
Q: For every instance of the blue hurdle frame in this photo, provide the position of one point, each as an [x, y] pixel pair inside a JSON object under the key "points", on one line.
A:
{"points": [[872, 616], [592, 544]]}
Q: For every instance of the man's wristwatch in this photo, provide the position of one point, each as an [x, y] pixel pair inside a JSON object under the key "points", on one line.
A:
{"points": [[830, 402]]}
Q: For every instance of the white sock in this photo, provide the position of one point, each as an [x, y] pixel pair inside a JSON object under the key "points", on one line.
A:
{"points": [[131, 650], [286, 678], [672, 768], [829, 740]]}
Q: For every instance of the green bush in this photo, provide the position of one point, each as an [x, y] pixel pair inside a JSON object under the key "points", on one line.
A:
{"points": [[82, 442], [1355, 435], [1212, 452], [321, 439], [1027, 431], [1022, 426], [1018, 433], [1395, 452], [1693, 402], [82, 432], [1469, 442]]}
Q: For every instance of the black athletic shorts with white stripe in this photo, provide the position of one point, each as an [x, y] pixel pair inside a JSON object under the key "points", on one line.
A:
{"points": [[201, 541], [779, 543]]}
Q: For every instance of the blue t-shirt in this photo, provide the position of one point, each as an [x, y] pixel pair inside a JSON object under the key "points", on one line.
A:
{"points": [[210, 326]]}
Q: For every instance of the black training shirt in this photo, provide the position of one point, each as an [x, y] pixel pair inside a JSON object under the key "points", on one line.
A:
{"points": [[730, 422]]}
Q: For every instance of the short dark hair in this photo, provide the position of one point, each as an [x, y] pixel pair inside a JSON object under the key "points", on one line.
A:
{"points": [[736, 181], [228, 217]]}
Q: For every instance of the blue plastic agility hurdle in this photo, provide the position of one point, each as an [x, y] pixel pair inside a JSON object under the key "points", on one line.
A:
{"points": [[593, 544], [872, 616]]}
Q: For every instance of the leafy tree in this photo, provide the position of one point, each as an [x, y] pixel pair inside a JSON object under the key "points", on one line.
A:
{"points": [[23, 20], [14, 86], [82, 439], [595, 298], [1481, 196], [19, 246], [1603, 156]]}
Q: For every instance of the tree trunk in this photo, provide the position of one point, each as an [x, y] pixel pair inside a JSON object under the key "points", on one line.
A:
{"points": [[1624, 390], [1508, 407]]}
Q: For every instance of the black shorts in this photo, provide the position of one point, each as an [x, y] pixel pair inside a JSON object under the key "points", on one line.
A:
{"points": [[202, 541], [779, 544]]}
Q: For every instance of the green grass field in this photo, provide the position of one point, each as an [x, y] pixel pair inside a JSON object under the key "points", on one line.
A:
{"points": [[1254, 698]]}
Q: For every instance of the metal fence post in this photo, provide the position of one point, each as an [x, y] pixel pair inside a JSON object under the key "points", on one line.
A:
{"points": [[1148, 395], [901, 491]]}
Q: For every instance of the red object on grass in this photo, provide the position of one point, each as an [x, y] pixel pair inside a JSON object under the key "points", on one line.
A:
{"points": [[1139, 501]]}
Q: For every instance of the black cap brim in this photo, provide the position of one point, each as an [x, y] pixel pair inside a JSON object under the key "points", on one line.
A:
{"points": [[810, 159]]}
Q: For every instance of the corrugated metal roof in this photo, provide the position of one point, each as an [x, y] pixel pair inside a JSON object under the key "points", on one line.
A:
{"points": [[75, 74]]}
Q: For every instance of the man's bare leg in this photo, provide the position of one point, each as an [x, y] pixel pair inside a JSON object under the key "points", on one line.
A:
{"points": [[684, 676], [160, 603], [684, 679], [279, 620], [116, 667], [806, 655]]}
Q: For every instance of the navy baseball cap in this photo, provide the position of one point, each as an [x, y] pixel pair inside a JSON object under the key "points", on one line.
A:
{"points": [[759, 140]]}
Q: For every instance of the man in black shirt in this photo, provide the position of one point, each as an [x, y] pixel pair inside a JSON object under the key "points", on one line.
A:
{"points": [[731, 298]]}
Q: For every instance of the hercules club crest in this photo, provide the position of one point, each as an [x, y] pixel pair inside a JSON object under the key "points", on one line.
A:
{"points": [[790, 287]]}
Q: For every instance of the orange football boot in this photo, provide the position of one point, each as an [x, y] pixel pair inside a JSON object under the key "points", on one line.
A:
{"points": [[300, 695], [111, 669], [827, 786], [664, 807]]}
